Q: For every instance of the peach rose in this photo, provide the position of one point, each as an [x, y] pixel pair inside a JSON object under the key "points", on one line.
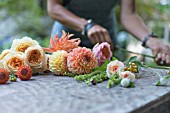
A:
{"points": [[2, 56], [20, 45], [114, 67], [13, 61], [35, 58], [127, 74]]}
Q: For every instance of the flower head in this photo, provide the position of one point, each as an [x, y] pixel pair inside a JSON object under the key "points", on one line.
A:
{"points": [[4, 75], [13, 61], [24, 72], [127, 74], [35, 58], [114, 67], [81, 61], [20, 45], [4, 53], [63, 43], [102, 52], [58, 62], [2, 56]]}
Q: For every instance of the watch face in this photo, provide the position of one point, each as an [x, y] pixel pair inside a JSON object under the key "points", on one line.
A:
{"points": [[89, 21]]}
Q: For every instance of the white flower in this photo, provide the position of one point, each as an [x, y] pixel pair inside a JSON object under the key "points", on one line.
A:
{"points": [[125, 82], [2, 56], [163, 81], [20, 45], [13, 61], [114, 67], [4, 53], [127, 74]]}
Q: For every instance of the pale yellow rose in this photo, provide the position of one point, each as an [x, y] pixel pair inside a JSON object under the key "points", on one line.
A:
{"points": [[114, 67], [13, 61], [20, 45], [2, 55], [36, 58]]}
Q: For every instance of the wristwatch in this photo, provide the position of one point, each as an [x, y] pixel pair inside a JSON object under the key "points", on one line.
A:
{"points": [[145, 39], [89, 25]]}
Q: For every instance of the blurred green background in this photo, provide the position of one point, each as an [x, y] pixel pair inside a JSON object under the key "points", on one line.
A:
{"points": [[20, 18]]}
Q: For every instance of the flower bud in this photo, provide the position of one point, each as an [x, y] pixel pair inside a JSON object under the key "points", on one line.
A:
{"points": [[163, 81], [125, 82]]}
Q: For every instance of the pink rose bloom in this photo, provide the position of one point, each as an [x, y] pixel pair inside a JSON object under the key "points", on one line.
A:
{"points": [[114, 67], [102, 52], [127, 74]]}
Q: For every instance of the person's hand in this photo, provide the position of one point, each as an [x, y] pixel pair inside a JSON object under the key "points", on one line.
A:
{"points": [[160, 50], [98, 34]]}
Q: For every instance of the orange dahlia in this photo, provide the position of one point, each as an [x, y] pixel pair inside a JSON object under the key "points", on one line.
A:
{"points": [[24, 72], [62, 43], [81, 61], [4, 75]]}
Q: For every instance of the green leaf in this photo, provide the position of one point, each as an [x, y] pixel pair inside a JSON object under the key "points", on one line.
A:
{"points": [[167, 77], [131, 84], [131, 59], [158, 83], [139, 64], [114, 58], [102, 67]]}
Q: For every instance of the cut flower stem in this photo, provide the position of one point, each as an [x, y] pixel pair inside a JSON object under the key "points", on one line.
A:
{"points": [[124, 50]]}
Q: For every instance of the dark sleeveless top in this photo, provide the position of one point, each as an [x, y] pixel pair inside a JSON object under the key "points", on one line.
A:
{"points": [[100, 11]]}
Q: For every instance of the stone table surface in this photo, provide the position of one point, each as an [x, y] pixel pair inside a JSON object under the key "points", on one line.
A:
{"points": [[61, 94]]}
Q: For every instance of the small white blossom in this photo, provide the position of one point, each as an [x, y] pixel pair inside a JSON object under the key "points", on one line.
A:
{"points": [[163, 81], [125, 82]]}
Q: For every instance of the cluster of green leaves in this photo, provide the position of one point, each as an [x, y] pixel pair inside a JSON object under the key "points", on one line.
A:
{"points": [[93, 78], [114, 80]]}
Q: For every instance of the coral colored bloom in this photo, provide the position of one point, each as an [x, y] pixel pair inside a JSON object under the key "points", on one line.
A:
{"points": [[4, 75], [20, 45], [24, 72], [81, 61], [127, 74], [58, 62], [114, 67], [63, 43], [102, 52]]}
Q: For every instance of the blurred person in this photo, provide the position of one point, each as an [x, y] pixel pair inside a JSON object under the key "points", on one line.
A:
{"points": [[93, 21]]}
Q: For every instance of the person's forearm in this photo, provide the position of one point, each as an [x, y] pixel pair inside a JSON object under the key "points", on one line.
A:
{"points": [[134, 24], [67, 18], [131, 21]]}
